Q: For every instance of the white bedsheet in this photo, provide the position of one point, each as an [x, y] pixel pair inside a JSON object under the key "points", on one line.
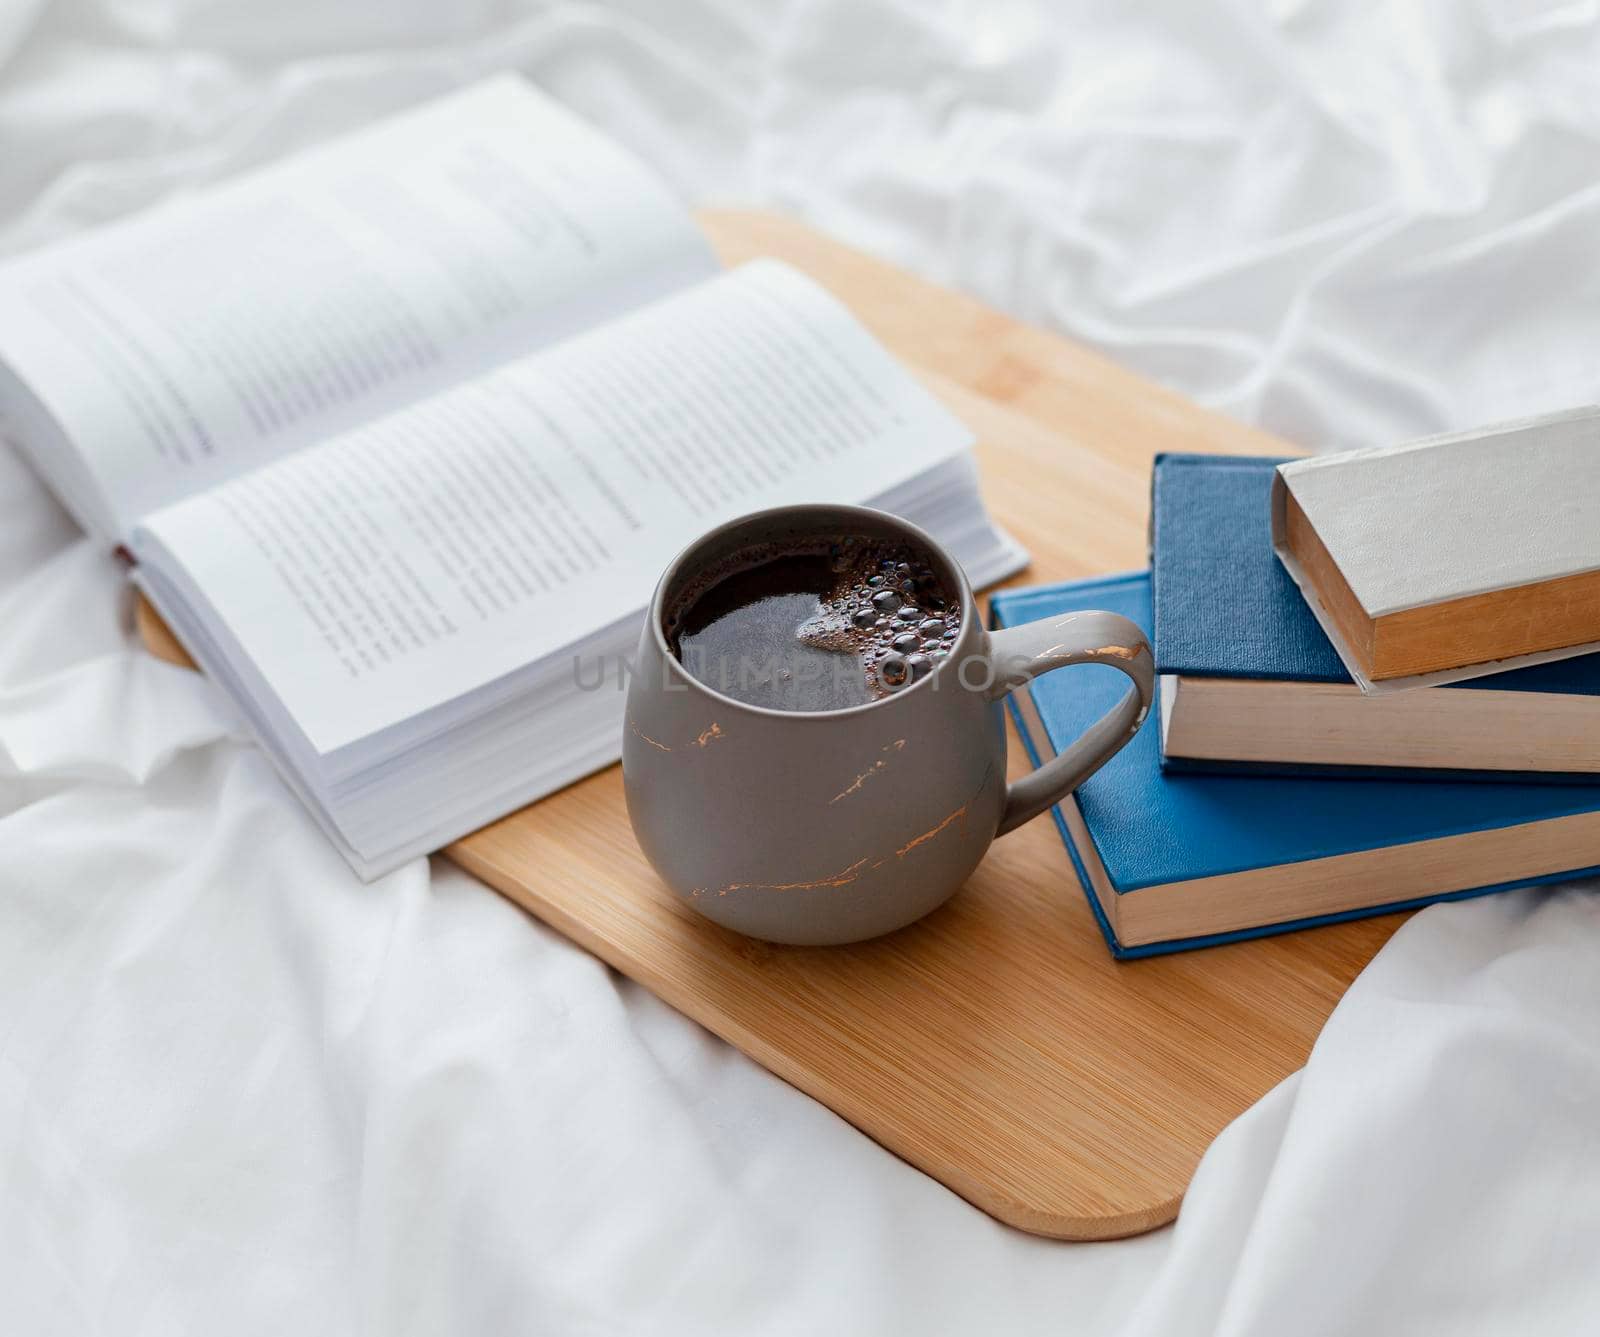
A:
{"points": [[241, 1093]]}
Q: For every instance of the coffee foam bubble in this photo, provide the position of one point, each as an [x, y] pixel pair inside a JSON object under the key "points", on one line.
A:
{"points": [[888, 605]]}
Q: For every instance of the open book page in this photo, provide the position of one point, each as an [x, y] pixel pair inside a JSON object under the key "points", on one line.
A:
{"points": [[194, 342], [417, 558]]}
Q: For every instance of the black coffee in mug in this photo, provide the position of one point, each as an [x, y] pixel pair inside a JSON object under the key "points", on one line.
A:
{"points": [[814, 626]]}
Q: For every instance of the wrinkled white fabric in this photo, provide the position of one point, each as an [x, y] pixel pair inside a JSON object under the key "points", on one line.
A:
{"points": [[240, 1092]]}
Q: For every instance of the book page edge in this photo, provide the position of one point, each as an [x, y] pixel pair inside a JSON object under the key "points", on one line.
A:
{"points": [[1367, 685]]}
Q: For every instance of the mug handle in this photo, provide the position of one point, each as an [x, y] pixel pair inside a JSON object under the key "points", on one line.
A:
{"points": [[1020, 654]]}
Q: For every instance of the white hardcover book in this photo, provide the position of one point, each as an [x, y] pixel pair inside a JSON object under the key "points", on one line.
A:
{"points": [[1451, 557]]}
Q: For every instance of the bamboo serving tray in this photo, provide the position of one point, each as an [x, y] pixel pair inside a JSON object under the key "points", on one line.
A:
{"points": [[995, 1045]]}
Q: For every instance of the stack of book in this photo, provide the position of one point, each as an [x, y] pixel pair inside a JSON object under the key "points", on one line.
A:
{"points": [[1378, 687]]}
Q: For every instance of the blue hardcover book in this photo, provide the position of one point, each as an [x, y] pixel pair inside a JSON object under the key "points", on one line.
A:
{"points": [[1172, 861], [1251, 683]]}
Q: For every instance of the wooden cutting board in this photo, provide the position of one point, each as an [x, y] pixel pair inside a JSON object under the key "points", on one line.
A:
{"points": [[995, 1045]]}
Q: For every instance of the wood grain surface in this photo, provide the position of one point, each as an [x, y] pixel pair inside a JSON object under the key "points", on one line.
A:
{"points": [[995, 1045]]}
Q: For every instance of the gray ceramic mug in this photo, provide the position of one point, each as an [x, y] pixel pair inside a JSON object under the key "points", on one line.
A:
{"points": [[826, 827]]}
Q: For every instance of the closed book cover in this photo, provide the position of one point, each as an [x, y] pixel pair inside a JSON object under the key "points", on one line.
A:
{"points": [[1174, 861], [1451, 557], [1225, 607]]}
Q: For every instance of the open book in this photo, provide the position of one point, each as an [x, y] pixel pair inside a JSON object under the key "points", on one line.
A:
{"points": [[400, 432]]}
